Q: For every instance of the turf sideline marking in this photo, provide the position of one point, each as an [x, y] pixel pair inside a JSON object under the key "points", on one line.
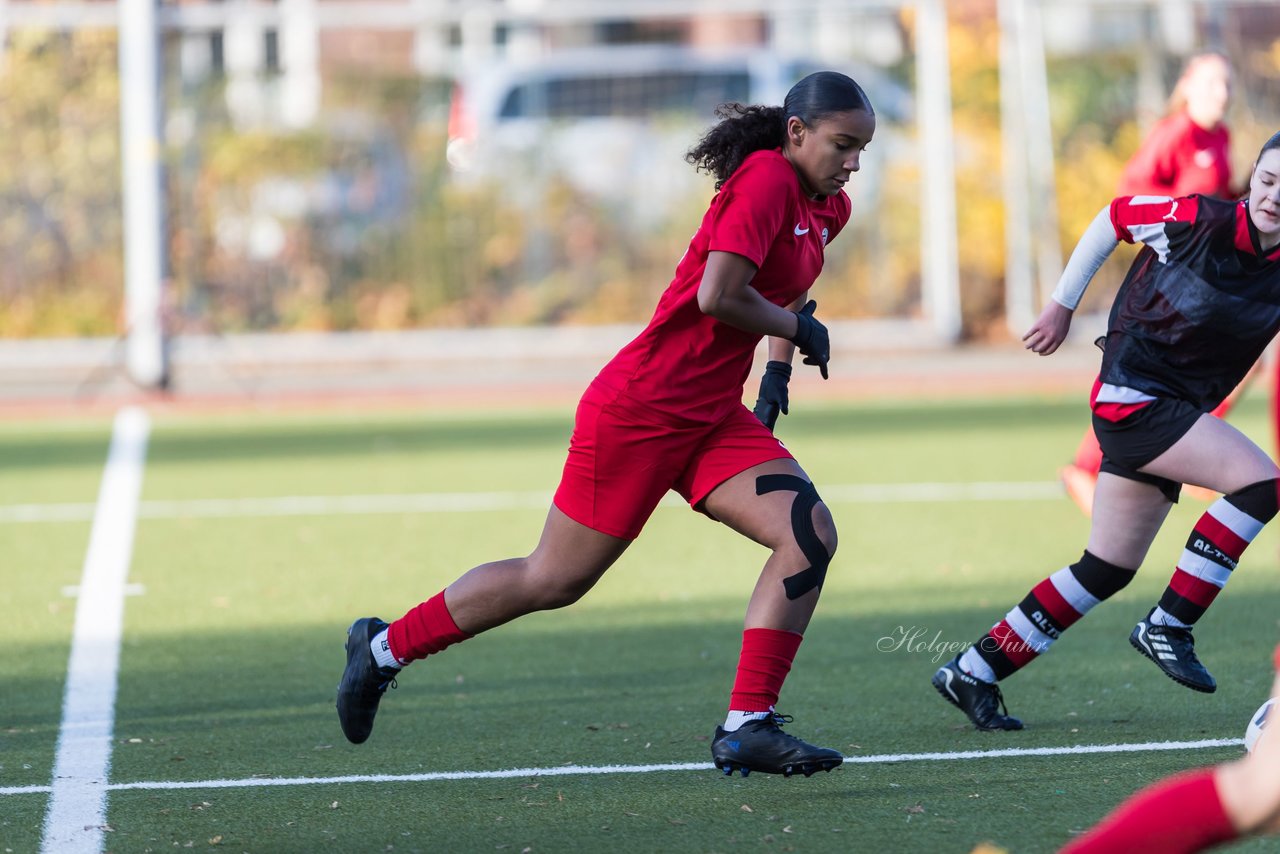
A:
{"points": [[78, 794], [480, 502], [583, 770]]}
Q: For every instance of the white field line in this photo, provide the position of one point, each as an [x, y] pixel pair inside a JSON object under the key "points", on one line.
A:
{"points": [[480, 502], [77, 806], [587, 770]]}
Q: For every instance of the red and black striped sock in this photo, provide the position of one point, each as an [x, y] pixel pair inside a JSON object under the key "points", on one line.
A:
{"points": [[1213, 550], [1046, 612]]}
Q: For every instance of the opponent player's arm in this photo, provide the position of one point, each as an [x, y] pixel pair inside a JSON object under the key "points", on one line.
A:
{"points": [[1095, 246]]}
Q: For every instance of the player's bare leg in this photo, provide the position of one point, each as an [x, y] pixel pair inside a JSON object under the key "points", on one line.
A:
{"points": [[1131, 513], [775, 505], [1216, 455], [567, 562]]}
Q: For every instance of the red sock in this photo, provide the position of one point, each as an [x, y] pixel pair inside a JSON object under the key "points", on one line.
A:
{"points": [[426, 629], [1178, 815], [765, 661]]}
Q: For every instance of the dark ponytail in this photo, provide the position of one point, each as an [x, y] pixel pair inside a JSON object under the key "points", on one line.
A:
{"points": [[746, 129], [743, 129]]}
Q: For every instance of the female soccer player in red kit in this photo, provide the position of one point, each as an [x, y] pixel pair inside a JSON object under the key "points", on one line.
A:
{"points": [[667, 413], [1199, 305], [1186, 153]]}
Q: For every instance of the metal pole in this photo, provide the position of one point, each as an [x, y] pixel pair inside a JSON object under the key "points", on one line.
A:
{"points": [[300, 60], [1044, 188], [939, 253], [1019, 297], [141, 176]]}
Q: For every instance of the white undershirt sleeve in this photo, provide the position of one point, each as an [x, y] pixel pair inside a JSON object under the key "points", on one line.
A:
{"points": [[1095, 246]]}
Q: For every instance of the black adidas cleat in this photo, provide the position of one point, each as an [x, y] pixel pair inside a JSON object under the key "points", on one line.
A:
{"points": [[761, 745], [363, 681], [1174, 651], [981, 701]]}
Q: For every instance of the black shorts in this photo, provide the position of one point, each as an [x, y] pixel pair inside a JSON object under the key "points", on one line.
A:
{"points": [[1132, 442]]}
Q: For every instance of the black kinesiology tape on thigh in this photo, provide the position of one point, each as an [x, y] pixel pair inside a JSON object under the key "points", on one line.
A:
{"points": [[802, 526]]}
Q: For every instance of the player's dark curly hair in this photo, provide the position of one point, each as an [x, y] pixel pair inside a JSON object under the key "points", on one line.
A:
{"points": [[744, 129]]}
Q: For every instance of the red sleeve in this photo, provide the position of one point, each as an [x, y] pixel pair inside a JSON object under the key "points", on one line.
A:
{"points": [[752, 208], [1134, 218]]}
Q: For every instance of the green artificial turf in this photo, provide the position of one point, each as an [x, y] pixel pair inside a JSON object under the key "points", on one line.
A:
{"points": [[232, 648]]}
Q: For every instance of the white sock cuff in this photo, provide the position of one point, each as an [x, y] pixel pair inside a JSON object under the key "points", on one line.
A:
{"points": [[382, 651], [735, 719], [1161, 617], [976, 666]]}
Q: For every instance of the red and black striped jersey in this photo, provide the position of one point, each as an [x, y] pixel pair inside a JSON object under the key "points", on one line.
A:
{"points": [[1200, 302]]}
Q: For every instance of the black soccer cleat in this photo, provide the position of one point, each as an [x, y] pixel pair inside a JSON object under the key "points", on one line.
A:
{"points": [[363, 681], [981, 701], [1174, 651], [761, 745]]}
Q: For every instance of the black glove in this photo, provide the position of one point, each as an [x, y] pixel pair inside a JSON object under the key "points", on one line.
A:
{"points": [[773, 393], [811, 338]]}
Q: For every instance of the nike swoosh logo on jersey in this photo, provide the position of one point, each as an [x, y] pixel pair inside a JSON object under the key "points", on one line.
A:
{"points": [[800, 232]]}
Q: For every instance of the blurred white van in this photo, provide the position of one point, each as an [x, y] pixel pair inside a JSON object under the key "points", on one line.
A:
{"points": [[600, 117]]}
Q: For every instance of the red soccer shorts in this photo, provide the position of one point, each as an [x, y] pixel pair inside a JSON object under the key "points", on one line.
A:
{"points": [[623, 459]]}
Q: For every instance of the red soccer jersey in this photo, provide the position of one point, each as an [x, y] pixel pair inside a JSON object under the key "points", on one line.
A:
{"points": [[688, 367], [1179, 158]]}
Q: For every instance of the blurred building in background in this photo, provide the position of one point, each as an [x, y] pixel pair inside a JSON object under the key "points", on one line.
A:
{"points": [[362, 165]]}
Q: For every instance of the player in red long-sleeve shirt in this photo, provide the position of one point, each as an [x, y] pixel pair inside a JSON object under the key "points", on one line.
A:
{"points": [[1188, 151], [667, 414]]}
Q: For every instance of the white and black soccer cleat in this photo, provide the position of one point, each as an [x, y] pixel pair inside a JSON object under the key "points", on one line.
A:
{"points": [[761, 745], [981, 701], [1174, 651]]}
